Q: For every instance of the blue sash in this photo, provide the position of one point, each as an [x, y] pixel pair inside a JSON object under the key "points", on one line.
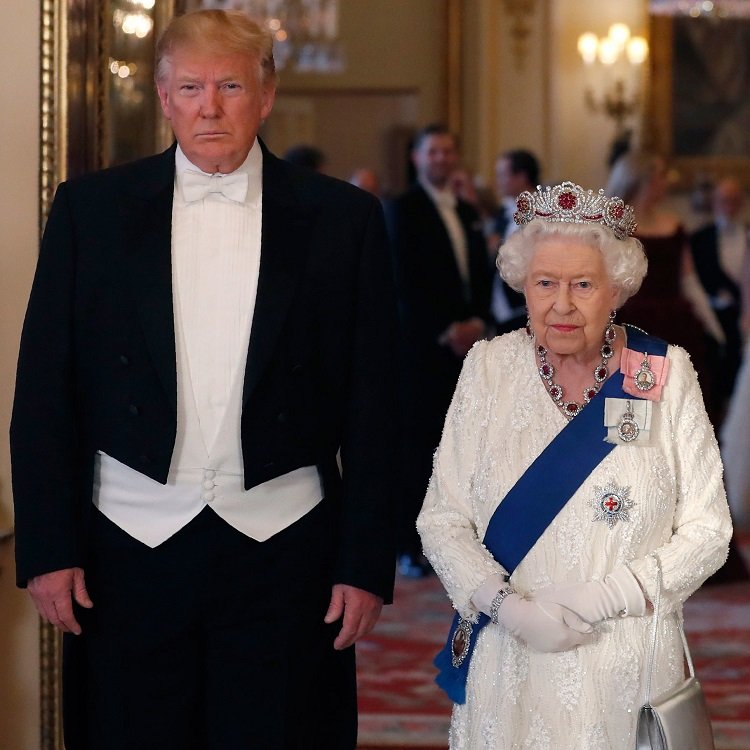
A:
{"points": [[534, 501]]}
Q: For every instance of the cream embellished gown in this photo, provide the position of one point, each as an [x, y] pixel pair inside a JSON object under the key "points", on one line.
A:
{"points": [[500, 420]]}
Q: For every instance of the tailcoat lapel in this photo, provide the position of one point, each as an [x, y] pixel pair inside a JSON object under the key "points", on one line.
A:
{"points": [[147, 243], [285, 237]]}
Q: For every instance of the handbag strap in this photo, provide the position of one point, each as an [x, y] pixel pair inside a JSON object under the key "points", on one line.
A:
{"points": [[655, 633]]}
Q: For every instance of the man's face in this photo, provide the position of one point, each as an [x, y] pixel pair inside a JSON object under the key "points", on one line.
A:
{"points": [[435, 159], [508, 183], [728, 199], [215, 104]]}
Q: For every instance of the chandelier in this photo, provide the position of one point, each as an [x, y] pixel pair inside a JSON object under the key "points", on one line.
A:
{"points": [[305, 32], [135, 17], [698, 8], [613, 72]]}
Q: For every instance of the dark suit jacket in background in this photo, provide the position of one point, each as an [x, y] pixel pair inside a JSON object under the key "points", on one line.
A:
{"points": [[431, 296], [97, 366]]}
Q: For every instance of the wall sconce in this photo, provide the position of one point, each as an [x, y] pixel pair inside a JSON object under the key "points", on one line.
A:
{"points": [[613, 69]]}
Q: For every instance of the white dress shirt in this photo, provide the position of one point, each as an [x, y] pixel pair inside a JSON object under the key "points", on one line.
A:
{"points": [[445, 202], [216, 246]]}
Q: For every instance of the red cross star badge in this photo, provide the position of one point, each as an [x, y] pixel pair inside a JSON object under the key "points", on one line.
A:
{"points": [[611, 503]]}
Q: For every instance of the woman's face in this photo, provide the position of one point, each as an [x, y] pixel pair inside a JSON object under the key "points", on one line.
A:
{"points": [[655, 186], [569, 296]]}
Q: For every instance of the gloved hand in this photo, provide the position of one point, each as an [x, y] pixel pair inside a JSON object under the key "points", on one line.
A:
{"points": [[545, 627], [619, 594]]}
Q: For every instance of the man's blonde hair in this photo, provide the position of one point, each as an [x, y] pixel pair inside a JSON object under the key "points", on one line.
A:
{"points": [[223, 32]]}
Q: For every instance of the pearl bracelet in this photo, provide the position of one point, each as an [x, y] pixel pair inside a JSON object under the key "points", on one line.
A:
{"points": [[497, 601]]}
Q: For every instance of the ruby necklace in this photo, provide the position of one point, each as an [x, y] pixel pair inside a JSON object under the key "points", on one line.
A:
{"points": [[572, 408]]}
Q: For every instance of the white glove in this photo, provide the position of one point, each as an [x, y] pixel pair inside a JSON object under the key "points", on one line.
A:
{"points": [[619, 594], [546, 627]]}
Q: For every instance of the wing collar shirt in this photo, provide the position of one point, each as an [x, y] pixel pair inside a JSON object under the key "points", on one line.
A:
{"points": [[216, 248]]}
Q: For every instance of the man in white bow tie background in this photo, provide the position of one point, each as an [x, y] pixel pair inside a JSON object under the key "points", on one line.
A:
{"points": [[207, 329], [443, 292]]}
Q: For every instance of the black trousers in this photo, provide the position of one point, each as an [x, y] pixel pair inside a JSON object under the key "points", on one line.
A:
{"points": [[211, 641]]}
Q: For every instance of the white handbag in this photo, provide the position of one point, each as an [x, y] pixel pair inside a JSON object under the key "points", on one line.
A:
{"points": [[677, 719]]}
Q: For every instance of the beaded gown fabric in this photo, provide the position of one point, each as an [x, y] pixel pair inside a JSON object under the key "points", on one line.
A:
{"points": [[500, 420]]}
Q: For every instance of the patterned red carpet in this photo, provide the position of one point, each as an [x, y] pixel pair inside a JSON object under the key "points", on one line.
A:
{"points": [[401, 707]]}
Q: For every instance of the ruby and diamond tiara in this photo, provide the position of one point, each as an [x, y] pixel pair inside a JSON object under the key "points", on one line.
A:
{"points": [[571, 203]]}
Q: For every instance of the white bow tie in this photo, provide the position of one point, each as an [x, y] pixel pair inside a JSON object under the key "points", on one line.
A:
{"points": [[195, 185]]}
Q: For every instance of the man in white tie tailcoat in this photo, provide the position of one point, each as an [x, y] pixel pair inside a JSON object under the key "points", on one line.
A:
{"points": [[207, 329]]}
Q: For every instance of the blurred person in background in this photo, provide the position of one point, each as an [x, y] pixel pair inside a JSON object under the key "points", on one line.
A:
{"points": [[720, 255], [366, 179], [735, 431], [443, 290], [307, 156], [515, 171], [671, 303]]}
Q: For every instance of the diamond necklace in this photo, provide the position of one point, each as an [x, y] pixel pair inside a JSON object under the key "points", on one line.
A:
{"points": [[572, 408]]}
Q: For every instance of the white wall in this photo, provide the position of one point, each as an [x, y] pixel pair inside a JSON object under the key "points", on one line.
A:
{"points": [[505, 88], [581, 139], [389, 45], [19, 102]]}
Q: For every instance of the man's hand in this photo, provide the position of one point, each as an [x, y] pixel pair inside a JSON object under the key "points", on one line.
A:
{"points": [[463, 187], [461, 336], [53, 595], [360, 608]]}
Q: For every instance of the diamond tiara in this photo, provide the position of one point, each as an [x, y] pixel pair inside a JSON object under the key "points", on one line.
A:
{"points": [[571, 203]]}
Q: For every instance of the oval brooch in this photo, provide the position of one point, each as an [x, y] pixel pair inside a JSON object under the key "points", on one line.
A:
{"points": [[460, 642]]}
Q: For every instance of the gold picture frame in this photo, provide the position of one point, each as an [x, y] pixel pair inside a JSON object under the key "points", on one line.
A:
{"points": [[687, 115], [74, 109]]}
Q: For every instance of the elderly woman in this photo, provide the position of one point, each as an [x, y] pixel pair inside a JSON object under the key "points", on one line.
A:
{"points": [[576, 457]]}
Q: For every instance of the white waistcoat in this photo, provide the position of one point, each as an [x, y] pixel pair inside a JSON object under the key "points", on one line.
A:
{"points": [[206, 467]]}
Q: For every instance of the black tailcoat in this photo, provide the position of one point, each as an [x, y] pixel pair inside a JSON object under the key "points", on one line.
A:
{"points": [[97, 366]]}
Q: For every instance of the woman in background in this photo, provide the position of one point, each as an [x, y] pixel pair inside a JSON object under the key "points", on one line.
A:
{"points": [[671, 303]]}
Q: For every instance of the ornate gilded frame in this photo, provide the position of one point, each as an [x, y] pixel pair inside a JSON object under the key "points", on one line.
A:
{"points": [[660, 115], [52, 170], [73, 115]]}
